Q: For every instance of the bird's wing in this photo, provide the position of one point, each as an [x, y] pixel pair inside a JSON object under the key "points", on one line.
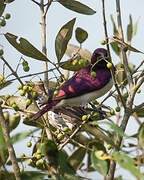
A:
{"points": [[82, 83]]}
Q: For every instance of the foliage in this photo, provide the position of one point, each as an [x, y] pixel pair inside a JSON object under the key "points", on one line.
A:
{"points": [[95, 135]]}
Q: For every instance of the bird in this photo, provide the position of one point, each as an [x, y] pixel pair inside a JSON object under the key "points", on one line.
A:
{"points": [[82, 87]]}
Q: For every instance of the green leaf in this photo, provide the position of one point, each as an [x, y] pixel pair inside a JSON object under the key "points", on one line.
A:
{"points": [[141, 135], [100, 165], [33, 175], [81, 35], [127, 163], [73, 49], [129, 29], [77, 157], [2, 7], [64, 164], [9, 1], [77, 7], [25, 47], [115, 31], [71, 66], [115, 48], [140, 112], [62, 38], [134, 30], [116, 128], [3, 153]]}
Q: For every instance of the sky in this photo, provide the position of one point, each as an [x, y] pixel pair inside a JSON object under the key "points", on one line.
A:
{"points": [[25, 22]]}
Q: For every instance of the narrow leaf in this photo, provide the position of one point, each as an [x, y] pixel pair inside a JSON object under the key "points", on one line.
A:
{"points": [[77, 157], [25, 47], [62, 38], [134, 31], [77, 7], [2, 7], [100, 165], [129, 29], [81, 35], [64, 164], [140, 112], [115, 47], [3, 153], [127, 163], [115, 31]]}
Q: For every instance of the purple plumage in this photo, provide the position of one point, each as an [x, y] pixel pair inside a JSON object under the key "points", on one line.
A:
{"points": [[82, 84]]}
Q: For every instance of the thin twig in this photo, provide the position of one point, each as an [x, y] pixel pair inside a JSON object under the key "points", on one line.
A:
{"points": [[13, 72], [48, 5], [36, 2], [72, 135], [10, 147], [107, 43]]}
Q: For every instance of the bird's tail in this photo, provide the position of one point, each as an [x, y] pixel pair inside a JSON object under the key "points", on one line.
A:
{"points": [[44, 110]]}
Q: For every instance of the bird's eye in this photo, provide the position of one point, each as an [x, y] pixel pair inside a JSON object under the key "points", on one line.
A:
{"points": [[95, 54]]}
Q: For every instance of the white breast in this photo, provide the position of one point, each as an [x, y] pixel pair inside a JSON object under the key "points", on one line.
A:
{"points": [[86, 98]]}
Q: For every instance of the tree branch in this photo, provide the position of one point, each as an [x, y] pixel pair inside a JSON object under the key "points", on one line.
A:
{"points": [[10, 147]]}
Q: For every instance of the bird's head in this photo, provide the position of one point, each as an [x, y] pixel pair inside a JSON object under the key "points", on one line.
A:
{"points": [[98, 57]]}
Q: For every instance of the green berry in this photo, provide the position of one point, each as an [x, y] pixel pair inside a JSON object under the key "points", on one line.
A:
{"points": [[109, 65], [3, 22], [60, 136], [57, 87], [29, 144], [25, 88], [7, 16], [95, 102], [84, 117], [19, 87], [117, 109], [29, 162], [74, 62], [42, 161], [15, 107], [126, 95], [12, 102], [139, 91], [60, 80], [28, 102], [112, 112], [121, 65], [30, 89], [7, 96], [103, 42], [56, 92], [1, 102], [35, 94], [1, 78], [25, 63], [38, 163], [26, 68], [96, 115], [21, 170], [1, 52], [22, 155], [66, 129], [109, 146], [38, 156], [93, 74], [22, 93]]}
